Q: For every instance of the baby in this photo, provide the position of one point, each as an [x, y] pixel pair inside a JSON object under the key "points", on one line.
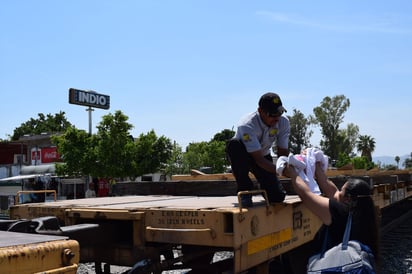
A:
{"points": [[305, 165]]}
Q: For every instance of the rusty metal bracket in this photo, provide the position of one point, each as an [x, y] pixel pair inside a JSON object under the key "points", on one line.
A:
{"points": [[252, 192]]}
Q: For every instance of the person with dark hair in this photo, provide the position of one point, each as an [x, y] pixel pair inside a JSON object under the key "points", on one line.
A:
{"points": [[333, 207], [250, 149]]}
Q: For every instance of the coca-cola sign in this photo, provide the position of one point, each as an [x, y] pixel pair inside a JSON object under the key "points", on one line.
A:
{"points": [[49, 155]]}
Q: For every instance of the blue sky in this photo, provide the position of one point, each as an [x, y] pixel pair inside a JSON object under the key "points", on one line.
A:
{"points": [[189, 69]]}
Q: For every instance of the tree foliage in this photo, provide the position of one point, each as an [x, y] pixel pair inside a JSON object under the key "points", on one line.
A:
{"points": [[366, 145], [195, 156], [152, 152], [224, 135], [355, 162], [347, 138], [397, 159], [407, 163], [342, 160], [207, 154], [111, 152], [299, 132], [115, 148], [362, 162], [76, 149], [174, 164], [44, 123], [329, 115]]}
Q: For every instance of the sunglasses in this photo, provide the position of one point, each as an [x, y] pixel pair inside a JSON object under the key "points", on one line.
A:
{"points": [[274, 115]]}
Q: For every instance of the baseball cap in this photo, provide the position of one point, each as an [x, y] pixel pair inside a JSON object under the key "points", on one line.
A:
{"points": [[271, 104]]}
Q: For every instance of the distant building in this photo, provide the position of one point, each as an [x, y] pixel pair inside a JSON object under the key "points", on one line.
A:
{"points": [[40, 150], [13, 153], [30, 152]]}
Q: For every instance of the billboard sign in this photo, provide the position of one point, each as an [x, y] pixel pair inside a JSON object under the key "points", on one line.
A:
{"points": [[89, 98], [49, 155]]}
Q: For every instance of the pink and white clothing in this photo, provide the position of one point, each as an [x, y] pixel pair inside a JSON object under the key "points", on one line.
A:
{"points": [[305, 165]]}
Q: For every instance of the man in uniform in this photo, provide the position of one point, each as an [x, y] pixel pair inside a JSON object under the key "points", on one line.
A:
{"points": [[250, 149]]}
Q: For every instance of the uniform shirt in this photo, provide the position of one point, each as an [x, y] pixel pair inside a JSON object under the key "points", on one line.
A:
{"points": [[255, 135]]}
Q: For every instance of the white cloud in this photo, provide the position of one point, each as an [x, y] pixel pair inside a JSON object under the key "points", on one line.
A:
{"points": [[358, 24]]}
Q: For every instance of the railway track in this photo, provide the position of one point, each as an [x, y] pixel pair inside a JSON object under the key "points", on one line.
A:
{"points": [[396, 241]]}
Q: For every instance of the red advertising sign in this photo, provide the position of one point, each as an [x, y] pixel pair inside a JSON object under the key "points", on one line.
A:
{"points": [[49, 155]]}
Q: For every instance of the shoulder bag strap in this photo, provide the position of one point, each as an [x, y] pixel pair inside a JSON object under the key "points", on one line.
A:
{"points": [[346, 235], [325, 241]]}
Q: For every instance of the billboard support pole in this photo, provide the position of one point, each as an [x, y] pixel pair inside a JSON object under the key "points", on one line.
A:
{"points": [[89, 109]]}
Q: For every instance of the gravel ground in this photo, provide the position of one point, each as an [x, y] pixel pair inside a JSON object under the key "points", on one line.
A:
{"points": [[397, 250], [88, 268]]}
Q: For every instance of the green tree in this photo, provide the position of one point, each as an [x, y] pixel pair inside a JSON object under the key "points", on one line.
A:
{"points": [[174, 164], [351, 134], [390, 167], [342, 160], [346, 139], [366, 145], [193, 157], [299, 132], [397, 159], [115, 147], [329, 115], [224, 135], [205, 154], [407, 163], [152, 153], [76, 148], [49, 123], [361, 163], [112, 152], [216, 156]]}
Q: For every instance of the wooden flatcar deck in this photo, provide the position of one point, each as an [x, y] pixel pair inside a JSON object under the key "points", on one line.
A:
{"points": [[132, 224], [125, 230], [146, 227]]}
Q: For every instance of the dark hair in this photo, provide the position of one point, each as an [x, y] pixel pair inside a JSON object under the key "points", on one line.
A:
{"points": [[357, 189], [364, 213]]}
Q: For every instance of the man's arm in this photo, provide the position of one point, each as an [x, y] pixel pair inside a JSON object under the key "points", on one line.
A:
{"points": [[282, 151], [263, 162]]}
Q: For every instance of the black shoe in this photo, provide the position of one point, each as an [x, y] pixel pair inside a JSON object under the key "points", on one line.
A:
{"points": [[277, 198], [246, 201]]}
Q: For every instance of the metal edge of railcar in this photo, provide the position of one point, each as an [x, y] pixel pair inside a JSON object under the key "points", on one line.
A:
{"points": [[147, 247]]}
